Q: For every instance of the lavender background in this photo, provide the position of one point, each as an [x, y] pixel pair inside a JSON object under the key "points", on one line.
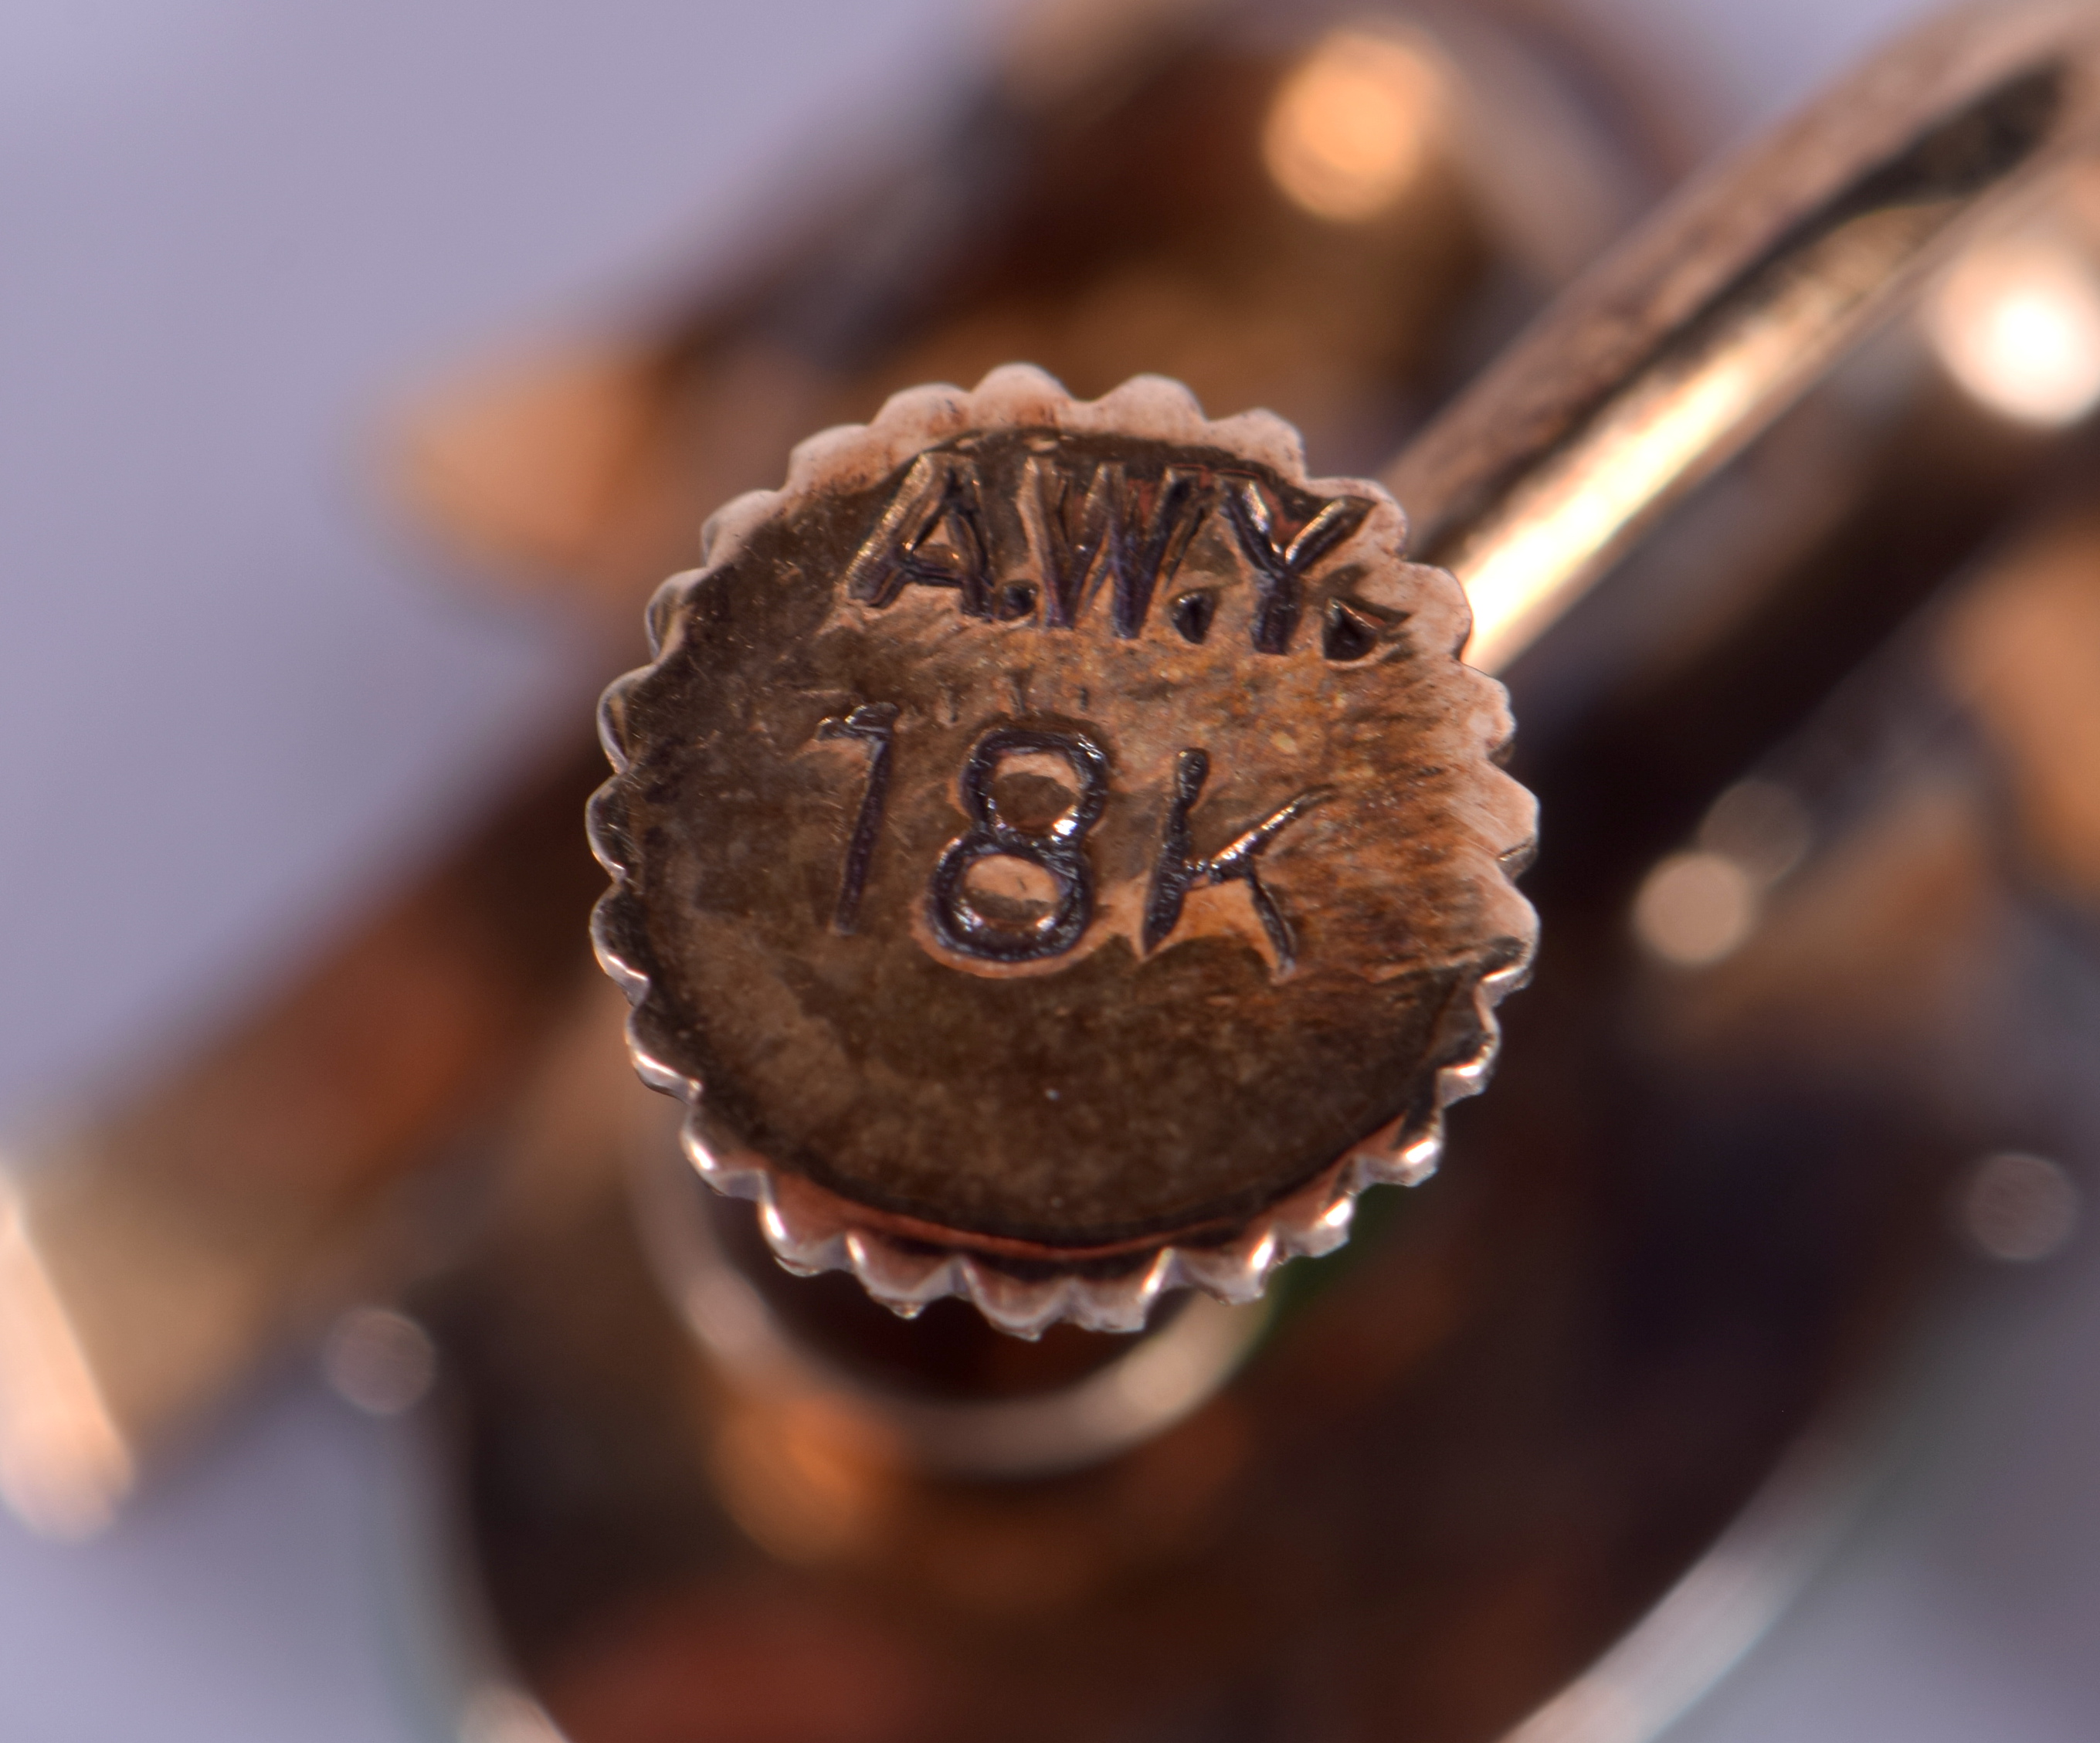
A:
{"points": [[232, 693]]}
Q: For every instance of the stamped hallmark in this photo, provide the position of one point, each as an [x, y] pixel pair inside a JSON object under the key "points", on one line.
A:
{"points": [[1093, 526], [1055, 829], [874, 724], [1015, 528], [1057, 851], [1179, 868]]}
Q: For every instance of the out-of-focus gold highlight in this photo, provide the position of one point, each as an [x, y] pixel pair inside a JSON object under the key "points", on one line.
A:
{"points": [[65, 1467], [1695, 909], [806, 1480], [2017, 324], [1699, 907], [2023, 652], [1351, 126]]}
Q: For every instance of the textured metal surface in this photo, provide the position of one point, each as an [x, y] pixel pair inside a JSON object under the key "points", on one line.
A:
{"points": [[1057, 852]]}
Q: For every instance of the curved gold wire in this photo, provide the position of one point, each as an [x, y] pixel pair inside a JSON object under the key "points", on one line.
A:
{"points": [[1682, 344]]}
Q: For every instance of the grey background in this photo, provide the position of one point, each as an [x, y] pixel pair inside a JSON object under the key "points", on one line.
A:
{"points": [[233, 692]]}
